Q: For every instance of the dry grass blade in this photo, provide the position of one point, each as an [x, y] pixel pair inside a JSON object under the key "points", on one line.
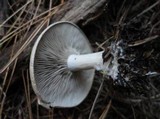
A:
{"points": [[34, 20], [62, 1], [105, 112], [12, 73], [95, 100], [24, 45], [15, 13], [18, 30], [17, 19], [37, 107], [102, 44], [50, 6], [154, 26], [35, 32], [146, 10], [3, 40], [31, 23], [3, 97], [10, 78], [133, 112], [27, 93], [3, 93], [140, 42], [149, 8]]}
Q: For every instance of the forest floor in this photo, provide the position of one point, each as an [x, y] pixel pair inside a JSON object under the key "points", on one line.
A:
{"points": [[135, 94]]}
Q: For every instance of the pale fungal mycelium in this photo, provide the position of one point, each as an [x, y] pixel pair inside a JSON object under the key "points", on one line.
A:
{"points": [[62, 65]]}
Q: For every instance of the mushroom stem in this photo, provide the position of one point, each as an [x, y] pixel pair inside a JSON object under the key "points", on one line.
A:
{"points": [[86, 61]]}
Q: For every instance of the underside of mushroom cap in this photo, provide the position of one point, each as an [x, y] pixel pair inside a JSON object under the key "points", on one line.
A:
{"points": [[52, 81]]}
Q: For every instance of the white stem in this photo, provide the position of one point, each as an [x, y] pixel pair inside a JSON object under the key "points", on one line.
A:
{"points": [[86, 61]]}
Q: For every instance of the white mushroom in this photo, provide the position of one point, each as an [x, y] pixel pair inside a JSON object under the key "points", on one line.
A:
{"points": [[62, 65]]}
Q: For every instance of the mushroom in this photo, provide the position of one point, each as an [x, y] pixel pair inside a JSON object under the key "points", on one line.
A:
{"points": [[62, 65]]}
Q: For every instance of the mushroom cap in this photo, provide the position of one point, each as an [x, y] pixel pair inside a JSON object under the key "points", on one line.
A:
{"points": [[54, 84]]}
